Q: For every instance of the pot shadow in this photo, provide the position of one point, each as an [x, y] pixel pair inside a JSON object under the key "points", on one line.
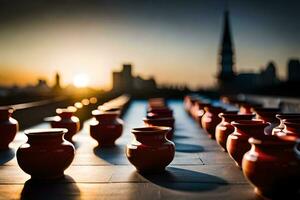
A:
{"points": [[185, 180], [188, 148], [176, 137], [64, 188], [6, 155], [114, 155]]}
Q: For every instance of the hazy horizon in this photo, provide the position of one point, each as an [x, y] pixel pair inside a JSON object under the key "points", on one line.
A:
{"points": [[176, 42]]}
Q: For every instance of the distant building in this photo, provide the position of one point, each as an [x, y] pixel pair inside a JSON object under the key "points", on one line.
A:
{"points": [[229, 81], [124, 81], [57, 85], [294, 70]]}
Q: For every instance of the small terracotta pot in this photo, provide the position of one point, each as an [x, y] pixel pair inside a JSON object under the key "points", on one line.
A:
{"points": [[291, 128], [161, 121], [199, 111], [281, 117], [161, 112], [224, 129], [237, 142], [46, 154], [150, 151], [106, 127], [66, 119], [210, 120], [268, 115], [272, 166], [8, 127], [247, 108]]}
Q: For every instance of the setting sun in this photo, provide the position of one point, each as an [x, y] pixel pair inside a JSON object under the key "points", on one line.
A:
{"points": [[81, 80]]}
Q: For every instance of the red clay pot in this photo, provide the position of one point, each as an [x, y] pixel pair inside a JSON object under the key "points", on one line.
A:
{"points": [[224, 129], [237, 142], [247, 108], [272, 166], [150, 151], [199, 111], [281, 117], [210, 120], [46, 154], [106, 127], [8, 127], [291, 128], [66, 119], [268, 115], [160, 112], [161, 121]]}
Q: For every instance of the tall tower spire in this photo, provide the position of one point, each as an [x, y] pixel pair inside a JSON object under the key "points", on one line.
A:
{"points": [[226, 54]]}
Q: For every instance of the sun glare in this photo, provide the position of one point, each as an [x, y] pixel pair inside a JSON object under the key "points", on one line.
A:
{"points": [[81, 80]]}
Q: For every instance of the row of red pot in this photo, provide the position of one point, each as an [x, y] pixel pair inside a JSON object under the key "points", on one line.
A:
{"points": [[267, 150]]}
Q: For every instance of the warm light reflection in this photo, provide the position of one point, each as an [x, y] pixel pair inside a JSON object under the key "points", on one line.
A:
{"points": [[81, 80]]}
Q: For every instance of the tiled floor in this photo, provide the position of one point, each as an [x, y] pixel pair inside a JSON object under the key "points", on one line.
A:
{"points": [[200, 169]]}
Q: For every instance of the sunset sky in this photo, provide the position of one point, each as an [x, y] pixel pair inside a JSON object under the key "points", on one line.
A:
{"points": [[176, 41]]}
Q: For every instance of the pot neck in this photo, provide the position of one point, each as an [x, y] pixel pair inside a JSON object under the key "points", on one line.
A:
{"points": [[151, 139], [40, 139], [66, 115], [106, 117]]}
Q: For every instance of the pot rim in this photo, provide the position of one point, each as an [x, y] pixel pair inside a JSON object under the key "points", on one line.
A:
{"points": [[9, 109], [103, 113], [224, 114], [288, 115], [159, 119], [274, 140], [64, 110], [151, 130], [253, 122], [45, 132]]}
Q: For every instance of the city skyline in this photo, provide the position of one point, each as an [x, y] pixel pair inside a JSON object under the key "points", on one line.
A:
{"points": [[181, 41]]}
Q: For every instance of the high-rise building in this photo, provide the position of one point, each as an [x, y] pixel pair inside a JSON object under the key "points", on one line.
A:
{"points": [[57, 85], [226, 53], [294, 70]]}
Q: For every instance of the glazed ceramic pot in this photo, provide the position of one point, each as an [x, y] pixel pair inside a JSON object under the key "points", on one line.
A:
{"points": [[237, 142], [150, 151], [161, 121], [8, 127], [66, 119], [281, 117], [210, 119], [272, 166], [268, 115], [106, 127], [224, 129], [46, 154]]}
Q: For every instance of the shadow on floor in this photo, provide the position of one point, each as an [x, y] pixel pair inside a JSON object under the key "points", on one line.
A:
{"points": [[6, 155], [114, 155], [188, 148], [185, 180], [64, 188]]}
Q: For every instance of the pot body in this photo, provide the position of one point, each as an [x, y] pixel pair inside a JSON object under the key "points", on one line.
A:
{"points": [[106, 129], [210, 120], [45, 156], [8, 130], [150, 151], [72, 124], [272, 167]]}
